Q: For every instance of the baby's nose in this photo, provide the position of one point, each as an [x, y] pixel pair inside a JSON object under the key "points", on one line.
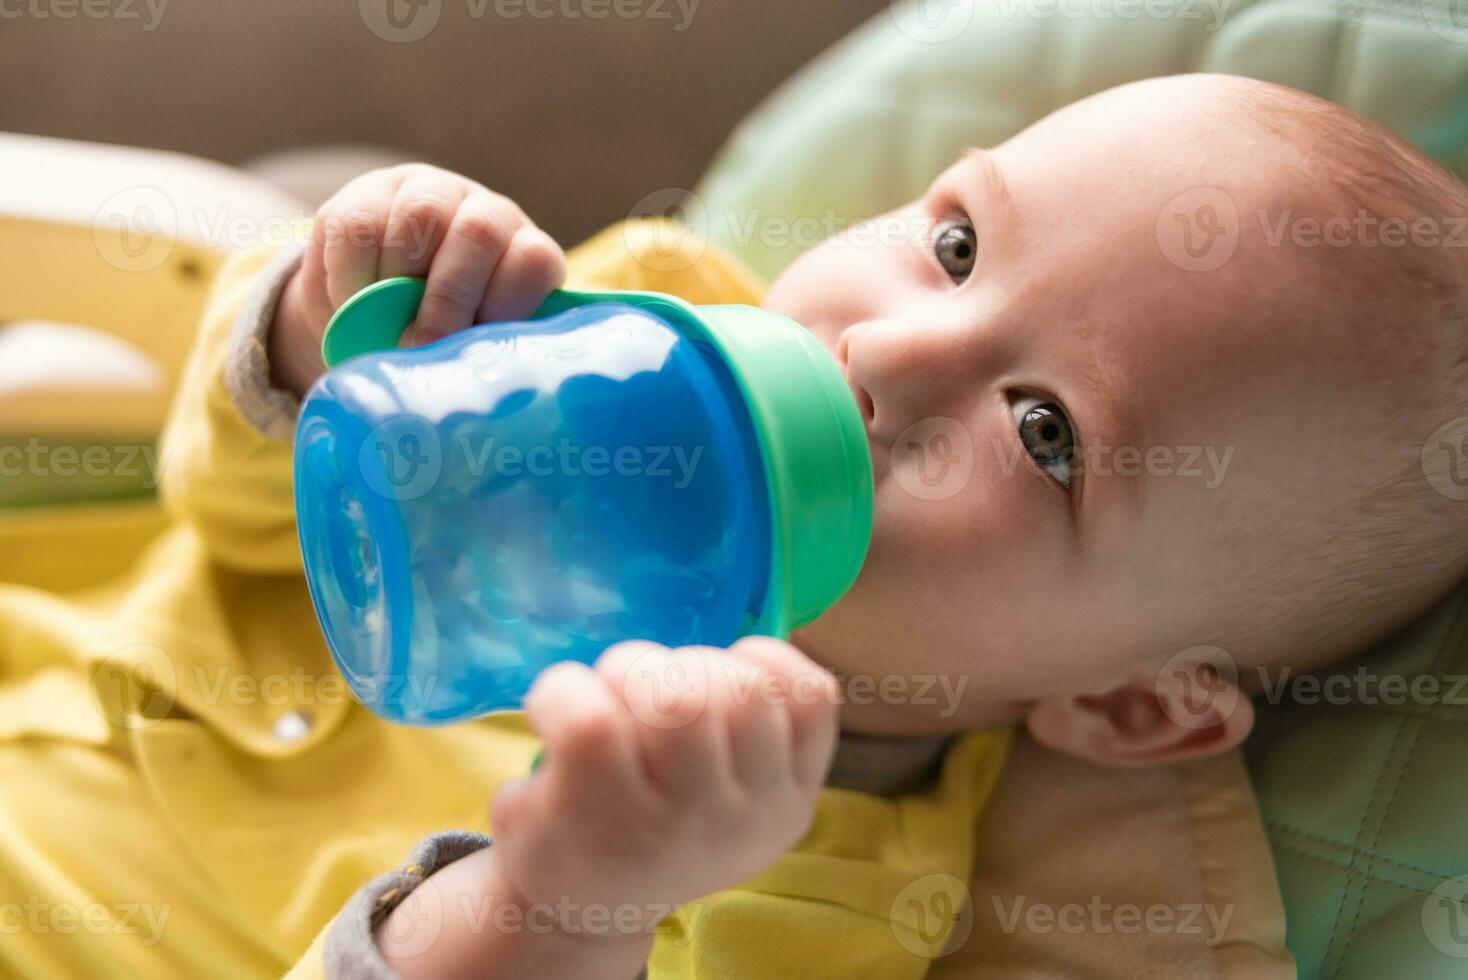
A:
{"points": [[905, 373]]}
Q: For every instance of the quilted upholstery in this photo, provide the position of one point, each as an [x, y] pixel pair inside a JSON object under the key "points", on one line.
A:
{"points": [[868, 124], [1365, 802], [1365, 797]]}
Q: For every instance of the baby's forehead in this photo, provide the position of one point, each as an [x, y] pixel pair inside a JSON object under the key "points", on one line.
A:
{"points": [[1342, 258], [1352, 163], [1277, 344]]}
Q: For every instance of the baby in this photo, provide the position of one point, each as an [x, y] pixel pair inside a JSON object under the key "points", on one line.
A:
{"points": [[1197, 268]]}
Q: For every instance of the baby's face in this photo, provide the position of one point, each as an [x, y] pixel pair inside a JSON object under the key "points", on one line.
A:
{"points": [[1088, 457]]}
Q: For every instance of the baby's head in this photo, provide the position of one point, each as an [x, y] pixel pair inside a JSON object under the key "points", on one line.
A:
{"points": [[1152, 376]]}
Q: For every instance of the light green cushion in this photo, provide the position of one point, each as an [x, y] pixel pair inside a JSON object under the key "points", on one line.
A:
{"points": [[867, 125], [1364, 788], [1366, 805]]}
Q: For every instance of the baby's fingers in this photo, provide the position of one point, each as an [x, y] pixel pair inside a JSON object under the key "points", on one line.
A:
{"points": [[760, 731], [533, 266], [458, 279], [349, 231], [679, 701], [419, 219], [812, 698], [591, 749]]}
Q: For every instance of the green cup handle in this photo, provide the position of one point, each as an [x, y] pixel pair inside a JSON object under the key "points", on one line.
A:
{"points": [[375, 318], [372, 320]]}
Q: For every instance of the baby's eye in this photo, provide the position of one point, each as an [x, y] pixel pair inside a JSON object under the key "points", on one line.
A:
{"points": [[956, 248], [1046, 434]]}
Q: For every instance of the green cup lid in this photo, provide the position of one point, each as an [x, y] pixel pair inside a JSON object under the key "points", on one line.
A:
{"points": [[817, 461]]}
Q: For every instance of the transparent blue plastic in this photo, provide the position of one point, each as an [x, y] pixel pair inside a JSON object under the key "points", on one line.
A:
{"points": [[523, 493]]}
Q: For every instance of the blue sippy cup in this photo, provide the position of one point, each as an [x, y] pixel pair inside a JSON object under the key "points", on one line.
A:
{"points": [[623, 465]]}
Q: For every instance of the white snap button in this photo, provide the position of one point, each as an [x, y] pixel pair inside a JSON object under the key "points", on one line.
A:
{"points": [[292, 727]]}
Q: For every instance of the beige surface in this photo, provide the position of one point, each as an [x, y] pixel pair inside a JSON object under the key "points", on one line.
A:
{"points": [[1068, 850], [124, 241], [577, 118]]}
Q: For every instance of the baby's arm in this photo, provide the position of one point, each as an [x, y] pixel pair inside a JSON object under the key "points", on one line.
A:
{"points": [[226, 453], [225, 459], [668, 774]]}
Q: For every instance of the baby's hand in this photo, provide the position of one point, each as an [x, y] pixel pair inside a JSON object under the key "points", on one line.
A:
{"points": [[484, 259], [668, 774]]}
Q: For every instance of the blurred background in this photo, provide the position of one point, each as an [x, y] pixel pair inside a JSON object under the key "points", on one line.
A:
{"points": [[575, 110]]}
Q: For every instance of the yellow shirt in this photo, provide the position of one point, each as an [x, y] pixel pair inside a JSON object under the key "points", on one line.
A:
{"points": [[188, 790]]}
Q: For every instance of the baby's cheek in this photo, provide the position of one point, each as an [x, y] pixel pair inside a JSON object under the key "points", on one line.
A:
{"points": [[932, 537], [976, 505], [794, 293], [831, 287], [1001, 543]]}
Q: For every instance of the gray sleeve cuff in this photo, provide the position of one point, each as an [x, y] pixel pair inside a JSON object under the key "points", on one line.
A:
{"points": [[351, 951], [246, 369]]}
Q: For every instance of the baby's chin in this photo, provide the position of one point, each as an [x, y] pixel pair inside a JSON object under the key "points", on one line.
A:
{"points": [[947, 710], [882, 695]]}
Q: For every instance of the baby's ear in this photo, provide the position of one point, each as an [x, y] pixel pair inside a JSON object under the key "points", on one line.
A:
{"points": [[1184, 712]]}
